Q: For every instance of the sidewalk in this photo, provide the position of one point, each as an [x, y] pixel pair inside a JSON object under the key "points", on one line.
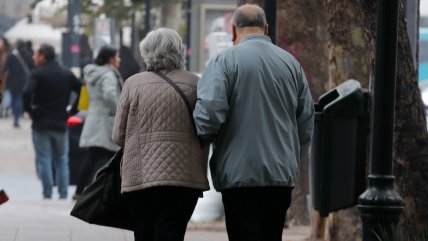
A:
{"points": [[27, 217]]}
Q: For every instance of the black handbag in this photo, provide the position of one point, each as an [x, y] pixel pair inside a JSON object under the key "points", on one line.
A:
{"points": [[101, 202]]}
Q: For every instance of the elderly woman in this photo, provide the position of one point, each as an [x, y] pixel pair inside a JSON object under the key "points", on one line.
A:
{"points": [[163, 172]]}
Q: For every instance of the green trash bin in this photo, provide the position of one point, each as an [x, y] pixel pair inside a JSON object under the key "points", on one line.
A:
{"points": [[339, 148]]}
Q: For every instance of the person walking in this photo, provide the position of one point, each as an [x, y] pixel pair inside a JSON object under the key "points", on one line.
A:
{"points": [[18, 66], [4, 49], [104, 84], [163, 172], [46, 97], [253, 101]]}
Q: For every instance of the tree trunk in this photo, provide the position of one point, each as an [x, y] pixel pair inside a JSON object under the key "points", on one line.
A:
{"points": [[410, 133], [171, 14], [411, 140], [347, 60], [346, 45], [302, 32]]}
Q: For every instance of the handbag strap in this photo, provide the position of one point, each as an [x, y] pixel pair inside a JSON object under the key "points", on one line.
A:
{"points": [[181, 93]]}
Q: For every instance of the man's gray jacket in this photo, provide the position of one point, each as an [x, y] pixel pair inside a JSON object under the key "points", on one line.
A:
{"points": [[255, 99]]}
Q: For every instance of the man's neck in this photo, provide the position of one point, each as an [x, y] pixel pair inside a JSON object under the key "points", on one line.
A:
{"points": [[248, 31]]}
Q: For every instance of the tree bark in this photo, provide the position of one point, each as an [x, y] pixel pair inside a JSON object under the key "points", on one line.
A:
{"points": [[347, 60], [171, 14], [411, 140], [301, 30], [346, 45]]}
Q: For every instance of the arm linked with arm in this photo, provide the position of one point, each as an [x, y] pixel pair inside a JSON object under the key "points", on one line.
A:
{"points": [[212, 103], [305, 117]]}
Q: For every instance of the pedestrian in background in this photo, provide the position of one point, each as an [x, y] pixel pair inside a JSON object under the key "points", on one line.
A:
{"points": [[4, 49], [104, 83], [254, 102], [18, 66], [46, 97], [131, 67], [163, 172]]}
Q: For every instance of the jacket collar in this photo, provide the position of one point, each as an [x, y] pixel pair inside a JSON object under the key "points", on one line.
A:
{"points": [[256, 37]]}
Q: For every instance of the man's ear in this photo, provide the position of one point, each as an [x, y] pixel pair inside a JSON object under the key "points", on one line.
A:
{"points": [[234, 35], [266, 29]]}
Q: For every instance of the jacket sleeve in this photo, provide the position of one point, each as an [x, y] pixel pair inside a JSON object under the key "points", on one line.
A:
{"points": [[212, 103], [305, 117], [109, 90], [121, 118]]}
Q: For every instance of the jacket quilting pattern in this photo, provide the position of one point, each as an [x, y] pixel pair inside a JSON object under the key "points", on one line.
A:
{"points": [[154, 126]]}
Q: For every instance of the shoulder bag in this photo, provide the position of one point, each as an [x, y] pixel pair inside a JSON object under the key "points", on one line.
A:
{"points": [[101, 202]]}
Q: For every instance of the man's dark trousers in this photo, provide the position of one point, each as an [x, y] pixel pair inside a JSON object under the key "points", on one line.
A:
{"points": [[256, 213]]}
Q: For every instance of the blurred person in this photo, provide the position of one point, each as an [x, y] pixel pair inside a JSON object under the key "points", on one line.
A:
{"points": [[163, 172], [85, 55], [130, 65], [4, 49], [26, 52], [29, 46], [253, 101], [46, 97], [18, 66], [104, 83]]}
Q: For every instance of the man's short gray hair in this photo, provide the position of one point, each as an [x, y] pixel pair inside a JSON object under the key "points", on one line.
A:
{"points": [[163, 49], [242, 19]]}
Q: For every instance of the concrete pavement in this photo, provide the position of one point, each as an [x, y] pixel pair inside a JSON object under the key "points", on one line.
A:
{"points": [[26, 216]]}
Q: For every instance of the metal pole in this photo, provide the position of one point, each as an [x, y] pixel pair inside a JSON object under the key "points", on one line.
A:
{"points": [[380, 206], [74, 30], [147, 17], [133, 38], [270, 11], [188, 22]]}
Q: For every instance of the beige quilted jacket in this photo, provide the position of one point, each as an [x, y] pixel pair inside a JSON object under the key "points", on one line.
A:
{"points": [[153, 125]]}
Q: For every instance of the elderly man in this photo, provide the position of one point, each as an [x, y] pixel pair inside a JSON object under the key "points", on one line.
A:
{"points": [[254, 102], [46, 97]]}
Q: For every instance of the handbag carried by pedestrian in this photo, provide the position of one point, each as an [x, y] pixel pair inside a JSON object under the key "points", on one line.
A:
{"points": [[101, 202]]}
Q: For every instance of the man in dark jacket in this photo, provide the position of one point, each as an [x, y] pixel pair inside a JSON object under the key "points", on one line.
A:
{"points": [[46, 97]]}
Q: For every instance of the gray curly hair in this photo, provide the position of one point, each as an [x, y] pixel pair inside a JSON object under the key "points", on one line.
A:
{"points": [[163, 49]]}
